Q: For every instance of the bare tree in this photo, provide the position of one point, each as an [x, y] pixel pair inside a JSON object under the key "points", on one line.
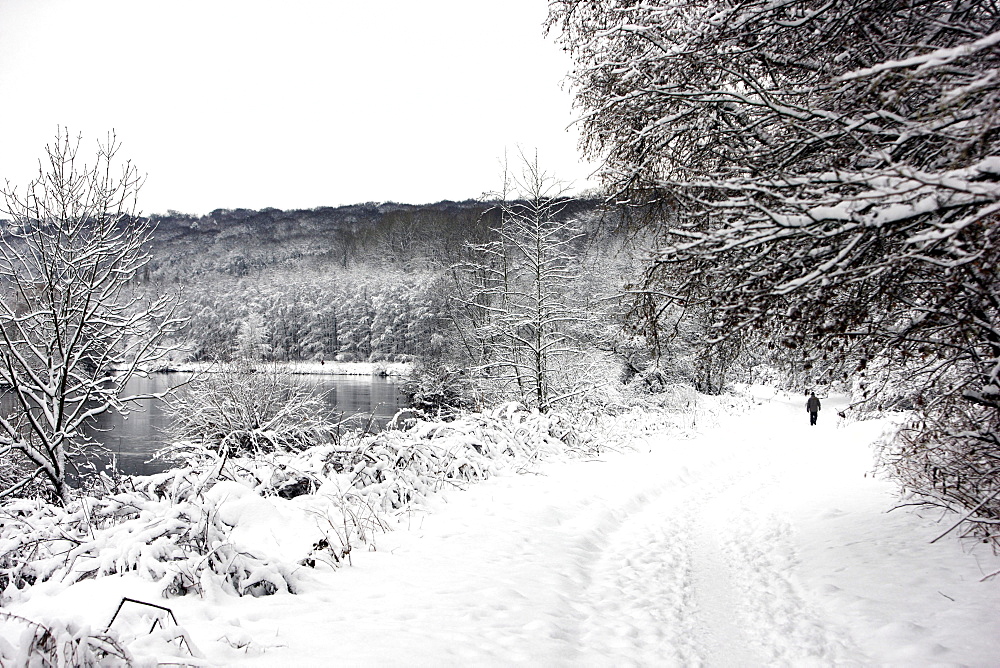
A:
{"points": [[74, 327], [521, 301]]}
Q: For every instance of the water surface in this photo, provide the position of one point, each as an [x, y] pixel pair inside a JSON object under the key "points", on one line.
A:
{"points": [[135, 438]]}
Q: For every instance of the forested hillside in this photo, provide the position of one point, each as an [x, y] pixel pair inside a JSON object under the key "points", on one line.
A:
{"points": [[237, 242], [354, 283]]}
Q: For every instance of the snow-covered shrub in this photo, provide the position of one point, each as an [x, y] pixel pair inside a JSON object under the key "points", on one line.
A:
{"points": [[220, 524], [349, 521], [244, 410], [396, 468], [438, 390], [167, 531], [946, 450], [26, 643], [624, 417], [650, 380], [938, 459], [16, 477]]}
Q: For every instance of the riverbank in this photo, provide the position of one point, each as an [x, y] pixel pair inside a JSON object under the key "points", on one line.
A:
{"points": [[726, 534], [392, 369]]}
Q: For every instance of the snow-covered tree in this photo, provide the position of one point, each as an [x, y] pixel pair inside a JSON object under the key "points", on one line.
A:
{"points": [[251, 340], [830, 173], [520, 303], [73, 326]]}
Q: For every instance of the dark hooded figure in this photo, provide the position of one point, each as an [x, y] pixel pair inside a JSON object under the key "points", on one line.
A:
{"points": [[813, 407]]}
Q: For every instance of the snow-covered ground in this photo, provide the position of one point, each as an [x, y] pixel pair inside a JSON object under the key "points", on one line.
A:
{"points": [[757, 541]]}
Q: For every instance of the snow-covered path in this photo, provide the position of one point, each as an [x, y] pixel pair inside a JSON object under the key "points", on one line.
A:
{"points": [[761, 541]]}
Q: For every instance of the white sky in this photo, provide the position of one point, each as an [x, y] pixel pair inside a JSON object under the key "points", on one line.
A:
{"points": [[290, 104]]}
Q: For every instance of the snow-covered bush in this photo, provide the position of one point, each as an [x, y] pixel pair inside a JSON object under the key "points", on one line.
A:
{"points": [[16, 475], [245, 410], [394, 468], [24, 642], [198, 528], [403, 467], [439, 390], [348, 521], [167, 531], [945, 450], [937, 459]]}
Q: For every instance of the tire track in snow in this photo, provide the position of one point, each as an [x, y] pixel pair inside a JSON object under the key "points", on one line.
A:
{"points": [[755, 556], [648, 585], [786, 630], [637, 591], [697, 573], [720, 623]]}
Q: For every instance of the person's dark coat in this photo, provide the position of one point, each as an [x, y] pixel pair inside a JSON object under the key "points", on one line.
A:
{"points": [[813, 404]]}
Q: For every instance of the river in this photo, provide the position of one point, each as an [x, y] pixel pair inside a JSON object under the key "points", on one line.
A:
{"points": [[136, 438]]}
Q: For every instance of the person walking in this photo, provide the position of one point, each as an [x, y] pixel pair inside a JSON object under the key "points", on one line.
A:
{"points": [[813, 407]]}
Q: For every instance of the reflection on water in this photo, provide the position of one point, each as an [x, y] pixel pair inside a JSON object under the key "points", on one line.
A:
{"points": [[135, 438]]}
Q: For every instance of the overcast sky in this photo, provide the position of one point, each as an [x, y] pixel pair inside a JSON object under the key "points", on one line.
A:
{"points": [[290, 104]]}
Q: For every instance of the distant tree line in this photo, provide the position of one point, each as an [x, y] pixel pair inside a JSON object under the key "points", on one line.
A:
{"points": [[369, 282], [352, 315], [242, 242]]}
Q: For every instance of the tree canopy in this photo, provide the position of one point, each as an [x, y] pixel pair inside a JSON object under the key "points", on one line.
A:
{"points": [[828, 176]]}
